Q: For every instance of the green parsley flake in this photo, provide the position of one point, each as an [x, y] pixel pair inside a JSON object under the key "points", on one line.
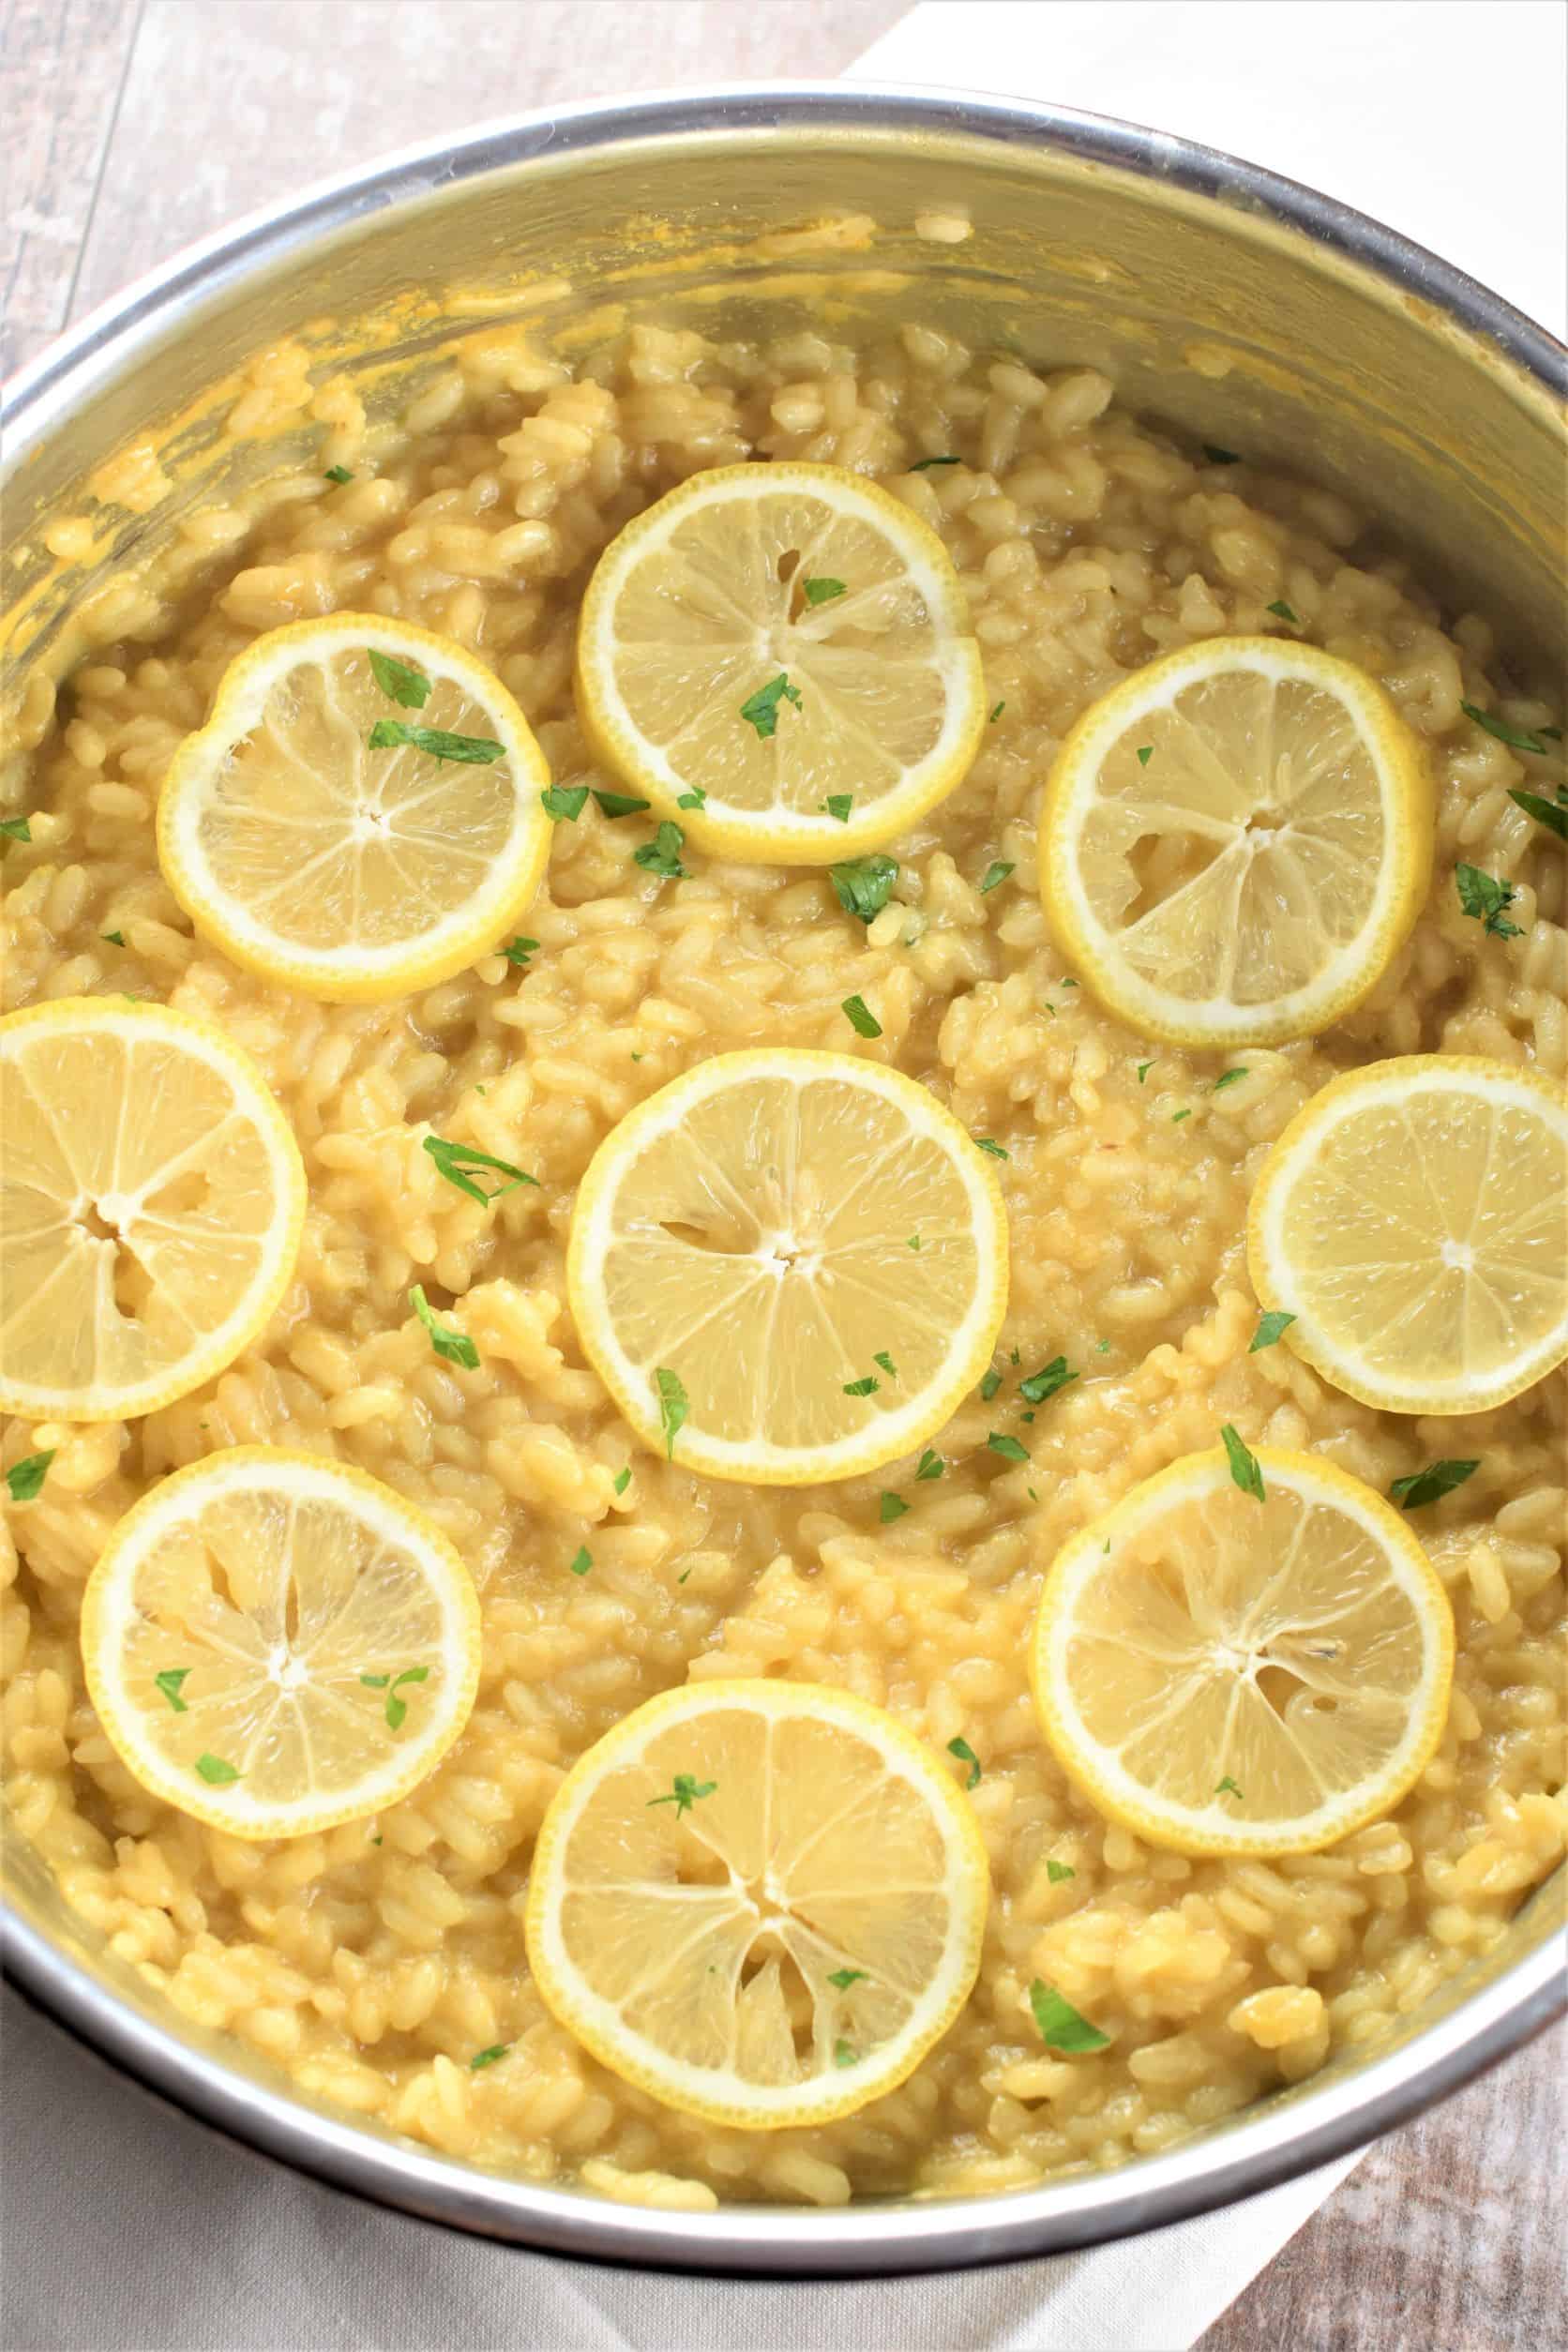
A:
{"points": [[1220, 457], [1516, 738], [761, 710], [169, 1683], [339, 473], [662, 855], [844, 1978], [965, 1754], [990, 1381], [1431, 1483], [399, 679], [215, 1771], [16, 828], [584, 1560], [1060, 2026], [989, 1143], [1177, 1117], [931, 1465], [517, 951], [564, 804], [862, 885], [1144, 754], [1144, 1070], [397, 1709], [685, 1792], [1552, 814], [1057, 1872], [995, 874], [1271, 1327], [487, 2057], [1230, 1078], [1282, 611], [623, 1481], [696, 798], [617, 805], [452, 1158], [1245, 1467], [996, 711], [1485, 897], [1045, 1383], [26, 1477], [914, 1241], [1227, 1787], [115, 939], [822, 591], [839, 806], [860, 1017], [866, 1387], [891, 1507], [475, 751], [455, 1346], [673, 1406], [886, 1363], [1009, 1448], [844, 2055], [924, 465]]}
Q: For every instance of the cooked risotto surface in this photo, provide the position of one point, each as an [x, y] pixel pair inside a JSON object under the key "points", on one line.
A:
{"points": [[377, 1963]]}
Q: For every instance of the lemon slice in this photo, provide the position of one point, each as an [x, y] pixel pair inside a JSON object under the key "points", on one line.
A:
{"points": [[151, 1201], [277, 1643], [1414, 1218], [788, 1266], [1229, 1675], [762, 1902], [1236, 842], [780, 658], [329, 865]]}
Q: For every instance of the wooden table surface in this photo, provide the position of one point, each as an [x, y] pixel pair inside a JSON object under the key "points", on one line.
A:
{"points": [[127, 134]]}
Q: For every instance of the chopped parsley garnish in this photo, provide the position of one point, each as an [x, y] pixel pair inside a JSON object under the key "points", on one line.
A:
{"points": [[931, 1465], [115, 939], [1177, 1117], [399, 679], [1009, 1448], [685, 1792], [580, 1563], [862, 884], [564, 804], [517, 951], [1144, 754], [882, 1359], [662, 855], [339, 473], [455, 1346], [822, 591], [623, 1480], [1245, 1467], [996, 711], [989, 1143], [965, 1754], [994, 874], [914, 1241], [1230, 1078], [1227, 1787], [1282, 611], [16, 828], [673, 1406], [1431, 1483], [487, 2057], [844, 2055], [397, 1709], [861, 1018], [844, 1978], [215, 1771], [26, 1477], [1271, 1327], [453, 1158], [1516, 738], [1060, 2026], [1144, 1070], [990, 1381], [169, 1683], [1045, 1382], [761, 710], [1057, 1872], [1485, 897], [1552, 814], [1102, 1346], [839, 806], [1220, 457], [617, 805], [891, 1507], [476, 751], [696, 798], [924, 465], [866, 1387]]}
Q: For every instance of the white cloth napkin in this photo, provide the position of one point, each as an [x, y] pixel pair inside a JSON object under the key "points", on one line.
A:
{"points": [[125, 2228]]}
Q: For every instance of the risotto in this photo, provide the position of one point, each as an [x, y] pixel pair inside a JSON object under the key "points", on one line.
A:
{"points": [[381, 1965]]}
